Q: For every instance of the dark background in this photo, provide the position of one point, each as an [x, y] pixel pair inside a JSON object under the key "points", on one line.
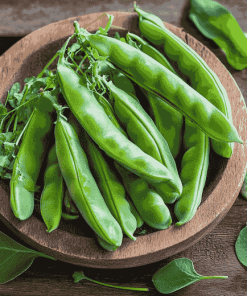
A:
{"points": [[212, 255]]}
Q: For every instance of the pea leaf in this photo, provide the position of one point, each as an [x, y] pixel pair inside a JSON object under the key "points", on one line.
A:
{"points": [[15, 88], [74, 47], [3, 111], [215, 22], [241, 246], [176, 275], [15, 258]]}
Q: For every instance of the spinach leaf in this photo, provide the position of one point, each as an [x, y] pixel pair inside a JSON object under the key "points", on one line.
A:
{"points": [[178, 274], [15, 258], [215, 22], [241, 246]]}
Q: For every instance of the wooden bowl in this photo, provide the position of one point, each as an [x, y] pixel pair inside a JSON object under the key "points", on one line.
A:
{"points": [[74, 242]]}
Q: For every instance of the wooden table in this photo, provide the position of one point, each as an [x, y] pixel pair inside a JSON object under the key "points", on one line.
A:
{"points": [[212, 255]]}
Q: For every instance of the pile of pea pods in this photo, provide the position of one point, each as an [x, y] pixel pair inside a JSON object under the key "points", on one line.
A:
{"points": [[112, 160]]}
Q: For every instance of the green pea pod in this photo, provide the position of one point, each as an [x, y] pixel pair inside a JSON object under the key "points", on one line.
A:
{"points": [[154, 77], [68, 217], [105, 245], [29, 160], [94, 120], [51, 201], [69, 204], [134, 211], [202, 77], [104, 68], [81, 184], [215, 22], [148, 203], [152, 52], [109, 185], [122, 82], [118, 78], [194, 169], [110, 113], [143, 132], [168, 121]]}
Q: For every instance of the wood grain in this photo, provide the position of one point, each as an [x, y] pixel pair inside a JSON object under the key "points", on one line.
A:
{"points": [[68, 244]]}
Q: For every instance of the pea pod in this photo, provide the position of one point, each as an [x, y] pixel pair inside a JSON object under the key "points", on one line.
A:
{"points": [[81, 184], [110, 113], [201, 77], [121, 81], [94, 120], [69, 217], [193, 175], [217, 23], [152, 52], [103, 68], [109, 185], [168, 121], [29, 160], [51, 200], [143, 132], [148, 203], [154, 77], [134, 211], [118, 78], [69, 204], [105, 245]]}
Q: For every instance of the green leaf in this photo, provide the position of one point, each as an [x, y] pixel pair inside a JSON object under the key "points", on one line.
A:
{"points": [[176, 275], [51, 82], [142, 232], [103, 31], [15, 258], [14, 89], [117, 36], [74, 47], [241, 246], [3, 110], [215, 22], [4, 161], [95, 54], [243, 190], [123, 39], [28, 80]]}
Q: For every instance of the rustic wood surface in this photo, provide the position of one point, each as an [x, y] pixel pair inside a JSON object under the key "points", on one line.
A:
{"points": [[224, 177], [212, 255]]}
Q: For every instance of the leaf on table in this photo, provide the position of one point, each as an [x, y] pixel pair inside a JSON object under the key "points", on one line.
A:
{"points": [[78, 276], [215, 22], [15, 258], [241, 246], [243, 190], [176, 275]]}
